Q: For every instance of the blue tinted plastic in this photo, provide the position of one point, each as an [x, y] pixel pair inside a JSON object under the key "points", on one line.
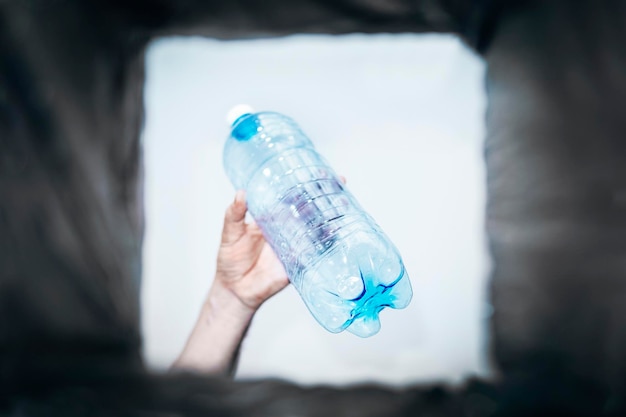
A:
{"points": [[336, 256], [246, 127]]}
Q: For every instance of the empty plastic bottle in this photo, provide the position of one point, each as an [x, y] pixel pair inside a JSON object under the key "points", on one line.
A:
{"points": [[339, 260]]}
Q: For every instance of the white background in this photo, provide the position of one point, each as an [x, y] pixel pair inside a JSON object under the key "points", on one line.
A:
{"points": [[402, 118]]}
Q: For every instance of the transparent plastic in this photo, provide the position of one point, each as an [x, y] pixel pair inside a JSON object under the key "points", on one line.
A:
{"points": [[339, 260]]}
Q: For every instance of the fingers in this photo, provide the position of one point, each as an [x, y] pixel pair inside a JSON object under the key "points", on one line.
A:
{"points": [[234, 219]]}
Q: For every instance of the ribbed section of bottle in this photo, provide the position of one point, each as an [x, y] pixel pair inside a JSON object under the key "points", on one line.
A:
{"points": [[258, 138], [335, 255]]}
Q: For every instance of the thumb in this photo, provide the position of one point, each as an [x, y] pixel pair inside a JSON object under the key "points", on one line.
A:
{"points": [[234, 219]]}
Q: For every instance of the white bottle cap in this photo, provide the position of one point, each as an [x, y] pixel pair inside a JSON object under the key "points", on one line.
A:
{"points": [[238, 111]]}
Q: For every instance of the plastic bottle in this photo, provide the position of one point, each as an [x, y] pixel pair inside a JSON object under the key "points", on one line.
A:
{"points": [[339, 260]]}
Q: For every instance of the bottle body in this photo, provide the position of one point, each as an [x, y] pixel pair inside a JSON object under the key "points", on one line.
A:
{"points": [[341, 263]]}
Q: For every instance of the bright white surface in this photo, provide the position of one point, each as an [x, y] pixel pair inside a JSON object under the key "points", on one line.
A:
{"points": [[237, 111], [402, 118]]}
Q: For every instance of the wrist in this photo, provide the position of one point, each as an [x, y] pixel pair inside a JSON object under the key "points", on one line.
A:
{"points": [[223, 302], [222, 324]]}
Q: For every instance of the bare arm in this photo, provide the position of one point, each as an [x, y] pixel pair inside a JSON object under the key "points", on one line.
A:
{"points": [[213, 345], [248, 273]]}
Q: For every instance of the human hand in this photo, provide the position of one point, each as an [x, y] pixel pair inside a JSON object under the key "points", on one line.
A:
{"points": [[246, 264], [248, 273]]}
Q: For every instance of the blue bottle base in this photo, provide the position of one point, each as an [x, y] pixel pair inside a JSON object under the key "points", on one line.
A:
{"points": [[365, 321], [359, 316]]}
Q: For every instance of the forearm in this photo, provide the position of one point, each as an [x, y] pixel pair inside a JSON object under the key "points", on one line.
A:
{"points": [[214, 342]]}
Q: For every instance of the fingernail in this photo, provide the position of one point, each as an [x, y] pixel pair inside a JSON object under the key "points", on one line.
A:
{"points": [[240, 196]]}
